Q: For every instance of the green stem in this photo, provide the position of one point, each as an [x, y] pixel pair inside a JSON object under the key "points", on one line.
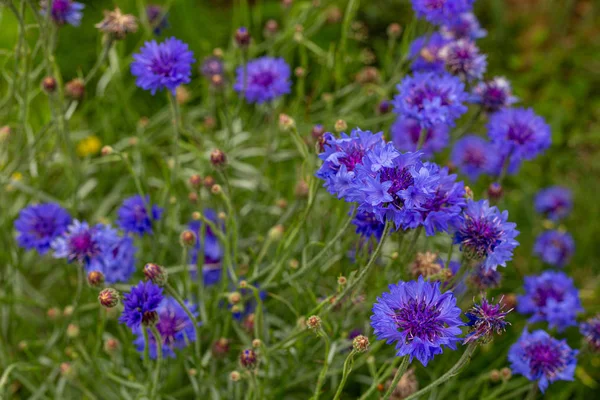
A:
{"points": [[401, 370], [125, 158], [348, 364], [323, 373], [422, 136], [192, 317], [146, 346], [100, 61], [174, 107], [455, 370], [156, 376]]}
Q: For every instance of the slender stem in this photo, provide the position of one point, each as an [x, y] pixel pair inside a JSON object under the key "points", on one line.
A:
{"points": [[99, 330], [125, 158], [450, 251], [455, 370], [363, 273], [422, 136], [323, 373], [401, 370], [100, 61], [174, 107], [146, 346], [156, 376], [346, 371], [192, 317], [532, 392], [378, 379]]}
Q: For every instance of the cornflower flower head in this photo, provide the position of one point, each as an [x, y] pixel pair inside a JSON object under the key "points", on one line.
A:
{"points": [[406, 133], [485, 319], [263, 79], [441, 11], [590, 330], [164, 65], [211, 247], [141, 304], [551, 297], [38, 225], [518, 134], [474, 156], [485, 234], [64, 11], [463, 26], [82, 243], [418, 318], [493, 95], [463, 59], [554, 247], [539, 357], [116, 260], [212, 66], [137, 215], [424, 52], [367, 225], [555, 202], [341, 156], [174, 325], [430, 98]]}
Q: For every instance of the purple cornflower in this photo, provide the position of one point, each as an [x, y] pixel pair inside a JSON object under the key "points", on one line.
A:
{"points": [[116, 261], [368, 225], [590, 330], [463, 26], [425, 53], [83, 243], [38, 225], [212, 66], [485, 278], [263, 79], [419, 318], [441, 11], [157, 18], [442, 210], [463, 59], [163, 65], [174, 325], [64, 11], [405, 133], [432, 99], [550, 297], [137, 215], [539, 357], [555, 202], [555, 247], [474, 156], [493, 95], [342, 155], [213, 252], [484, 320], [518, 134], [485, 234], [141, 304]]}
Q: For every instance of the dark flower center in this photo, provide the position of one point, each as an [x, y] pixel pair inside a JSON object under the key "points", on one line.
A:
{"points": [[83, 246], [479, 237], [475, 157], [494, 96], [352, 158], [163, 65], [543, 294], [420, 95], [264, 79], [139, 213], [435, 4], [44, 227], [419, 319], [401, 179], [520, 133], [545, 359]]}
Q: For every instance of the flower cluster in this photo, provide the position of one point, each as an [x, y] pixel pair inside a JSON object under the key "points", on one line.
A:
{"points": [[137, 215], [263, 79], [38, 225], [141, 304]]}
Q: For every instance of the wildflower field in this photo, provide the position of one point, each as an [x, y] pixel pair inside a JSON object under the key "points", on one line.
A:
{"points": [[299, 199]]}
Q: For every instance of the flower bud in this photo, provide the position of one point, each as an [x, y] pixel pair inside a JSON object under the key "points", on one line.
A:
{"points": [[108, 297], [52, 313], [66, 370], [210, 122], [271, 28], [334, 15], [242, 37], [286, 122], [301, 190], [196, 215], [299, 72], [95, 278], [218, 52], [256, 343], [23, 345], [72, 331], [294, 264], [243, 284], [155, 273], [360, 343], [209, 181], [187, 238], [248, 322], [220, 347], [192, 372], [222, 216], [234, 376], [314, 322], [217, 158], [234, 297], [5, 132], [68, 311], [49, 84], [494, 375], [495, 191], [384, 107], [506, 373], [317, 131], [75, 89], [195, 181], [468, 193], [193, 197], [281, 203], [182, 95], [342, 280], [276, 233], [394, 30], [248, 359], [340, 125], [106, 150], [216, 189], [111, 346]]}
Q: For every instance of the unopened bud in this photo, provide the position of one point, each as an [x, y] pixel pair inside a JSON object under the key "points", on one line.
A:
{"points": [[384, 107], [360, 343], [256, 343], [242, 37], [49, 84], [66, 370], [216, 189], [218, 52], [294, 264], [196, 215], [394, 30], [72, 331], [286, 122], [220, 347], [468, 193], [5, 132], [234, 297], [495, 191], [106, 150], [52, 313], [248, 358], [342, 280], [299, 72], [193, 197], [276, 233], [195, 181], [506, 373], [494, 375], [243, 284], [156, 274], [192, 372], [75, 89], [317, 131], [187, 238], [209, 181], [281, 203], [271, 28], [23, 345], [234, 376], [95, 278], [313, 322], [182, 95], [111, 345], [301, 190], [149, 318], [340, 125], [68, 311], [217, 158], [108, 297]]}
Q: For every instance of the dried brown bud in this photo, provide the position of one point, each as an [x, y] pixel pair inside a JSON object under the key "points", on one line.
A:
{"points": [[117, 24], [49, 84], [314, 322], [108, 297], [217, 158], [360, 343], [425, 265], [95, 278], [75, 89]]}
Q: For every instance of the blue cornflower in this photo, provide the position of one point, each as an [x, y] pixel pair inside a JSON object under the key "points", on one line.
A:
{"points": [[493, 95], [157, 18], [116, 260], [463, 59], [424, 52], [64, 11], [430, 98], [518, 134], [590, 330], [163, 65], [393, 186], [212, 66], [442, 210], [550, 297], [213, 252], [141, 304], [405, 133], [418, 317], [555, 202], [441, 11], [485, 234], [174, 325], [463, 26], [485, 278], [38, 225], [368, 225], [555, 247], [265, 79], [342, 155], [484, 320], [137, 215], [83, 243], [474, 156], [539, 357]]}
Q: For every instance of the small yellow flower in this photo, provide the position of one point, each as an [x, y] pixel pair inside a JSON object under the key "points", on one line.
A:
{"points": [[89, 146], [15, 177]]}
